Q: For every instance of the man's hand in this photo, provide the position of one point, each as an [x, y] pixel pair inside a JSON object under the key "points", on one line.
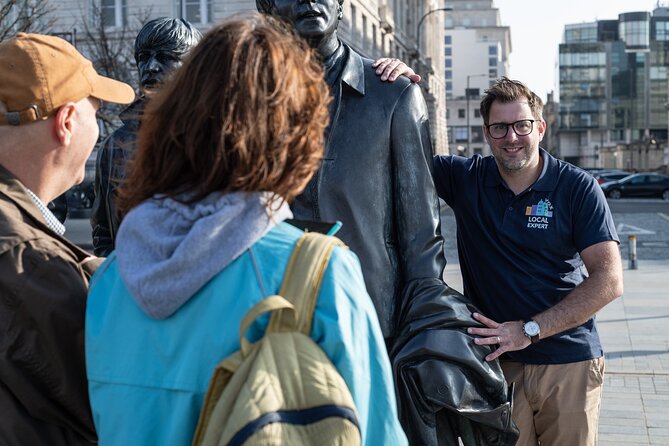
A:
{"points": [[390, 69], [508, 335]]}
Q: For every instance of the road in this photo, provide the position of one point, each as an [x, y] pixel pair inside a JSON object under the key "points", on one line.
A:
{"points": [[647, 219]]}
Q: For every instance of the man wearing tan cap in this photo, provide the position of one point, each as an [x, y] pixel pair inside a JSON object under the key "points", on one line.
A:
{"points": [[49, 94]]}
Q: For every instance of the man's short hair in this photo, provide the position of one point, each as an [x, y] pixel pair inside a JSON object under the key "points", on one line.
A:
{"points": [[507, 90], [174, 35]]}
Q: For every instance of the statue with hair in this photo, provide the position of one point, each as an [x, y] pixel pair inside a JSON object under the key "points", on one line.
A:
{"points": [[160, 47]]}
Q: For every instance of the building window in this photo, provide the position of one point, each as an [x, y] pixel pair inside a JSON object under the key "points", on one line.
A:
{"points": [[448, 51], [492, 50], [354, 22], [492, 61], [112, 13], [448, 74], [477, 113], [461, 113], [198, 12], [492, 73], [365, 37], [448, 40], [448, 63], [461, 133], [449, 87], [374, 36], [661, 30]]}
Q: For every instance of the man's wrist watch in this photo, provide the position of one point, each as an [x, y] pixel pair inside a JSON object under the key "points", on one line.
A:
{"points": [[531, 330]]}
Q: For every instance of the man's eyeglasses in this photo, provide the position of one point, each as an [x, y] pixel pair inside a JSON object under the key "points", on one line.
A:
{"points": [[522, 128]]}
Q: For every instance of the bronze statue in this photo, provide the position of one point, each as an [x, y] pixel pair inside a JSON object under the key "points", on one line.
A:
{"points": [[159, 49], [376, 179]]}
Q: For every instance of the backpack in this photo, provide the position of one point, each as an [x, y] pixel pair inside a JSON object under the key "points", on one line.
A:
{"points": [[283, 389]]}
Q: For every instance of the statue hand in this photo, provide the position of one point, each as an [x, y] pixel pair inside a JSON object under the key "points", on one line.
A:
{"points": [[390, 69]]}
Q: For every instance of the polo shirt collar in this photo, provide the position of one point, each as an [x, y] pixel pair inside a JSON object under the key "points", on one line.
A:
{"points": [[546, 181]]}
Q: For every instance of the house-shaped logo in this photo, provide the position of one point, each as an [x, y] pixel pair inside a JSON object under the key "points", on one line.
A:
{"points": [[542, 209]]}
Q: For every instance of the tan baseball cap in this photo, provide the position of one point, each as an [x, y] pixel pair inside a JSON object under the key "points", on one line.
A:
{"points": [[39, 74]]}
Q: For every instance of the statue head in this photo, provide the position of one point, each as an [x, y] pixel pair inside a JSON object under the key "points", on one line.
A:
{"points": [[160, 47], [314, 20]]}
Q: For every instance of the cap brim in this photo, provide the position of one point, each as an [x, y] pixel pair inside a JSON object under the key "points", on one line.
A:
{"points": [[110, 90]]}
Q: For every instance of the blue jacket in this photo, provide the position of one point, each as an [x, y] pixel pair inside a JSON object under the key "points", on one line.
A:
{"points": [[148, 378]]}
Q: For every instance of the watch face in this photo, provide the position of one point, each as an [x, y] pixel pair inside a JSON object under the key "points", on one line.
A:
{"points": [[531, 328]]}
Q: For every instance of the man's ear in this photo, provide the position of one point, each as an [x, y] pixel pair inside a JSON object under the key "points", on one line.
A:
{"points": [[542, 130], [63, 123], [340, 16]]}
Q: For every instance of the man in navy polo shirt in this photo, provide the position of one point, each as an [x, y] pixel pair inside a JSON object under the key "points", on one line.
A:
{"points": [[539, 257]]}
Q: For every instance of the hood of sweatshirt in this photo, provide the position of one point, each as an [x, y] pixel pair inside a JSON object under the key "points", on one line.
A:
{"points": [[167, 250]]}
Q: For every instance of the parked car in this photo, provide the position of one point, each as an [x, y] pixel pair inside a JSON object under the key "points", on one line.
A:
{"points": [[638, 185], [80, 200], [58, 207], [605, 176]]}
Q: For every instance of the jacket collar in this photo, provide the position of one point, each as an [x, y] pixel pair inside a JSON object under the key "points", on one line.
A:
{"points": [[11, 187], [547, 179], [353, 74], [16, 192]]}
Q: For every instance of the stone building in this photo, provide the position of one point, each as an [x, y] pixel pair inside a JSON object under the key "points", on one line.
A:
{"points": [[372, 27]]}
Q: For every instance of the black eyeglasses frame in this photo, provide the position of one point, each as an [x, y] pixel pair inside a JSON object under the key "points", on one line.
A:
{"points": [[513, 126]]}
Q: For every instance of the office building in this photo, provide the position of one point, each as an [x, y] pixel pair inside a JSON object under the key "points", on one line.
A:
{"points": [[476, 50], [614, 90]]}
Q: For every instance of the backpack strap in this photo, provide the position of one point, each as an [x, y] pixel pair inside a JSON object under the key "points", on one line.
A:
{"points": [[302, 281]]}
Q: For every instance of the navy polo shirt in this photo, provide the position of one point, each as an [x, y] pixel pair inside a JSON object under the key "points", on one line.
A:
{"points": [[519, 255]]}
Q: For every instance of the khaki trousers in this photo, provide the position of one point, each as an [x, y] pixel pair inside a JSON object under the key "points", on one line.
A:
{"points": [[556, 404]]}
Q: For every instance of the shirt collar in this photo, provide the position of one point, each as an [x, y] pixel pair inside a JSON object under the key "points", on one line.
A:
{"points": [[353, 73], [51, 220], [547, 179]]}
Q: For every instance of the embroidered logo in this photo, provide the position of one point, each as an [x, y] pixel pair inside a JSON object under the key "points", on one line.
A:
{"points": [[538, 214]]}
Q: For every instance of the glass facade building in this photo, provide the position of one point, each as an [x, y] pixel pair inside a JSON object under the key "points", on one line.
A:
{"points": [[613, 87]]}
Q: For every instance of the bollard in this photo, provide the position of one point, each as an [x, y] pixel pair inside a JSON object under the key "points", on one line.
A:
{"points": [[631, 254]]}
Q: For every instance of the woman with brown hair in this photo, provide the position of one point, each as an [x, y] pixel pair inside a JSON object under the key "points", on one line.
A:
{"points": [[227, 142]]}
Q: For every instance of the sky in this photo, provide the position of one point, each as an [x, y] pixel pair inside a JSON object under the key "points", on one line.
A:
{"points": [[537, 28]]}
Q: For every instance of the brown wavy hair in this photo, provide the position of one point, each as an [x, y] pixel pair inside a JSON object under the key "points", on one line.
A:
{"points": [[246, 112], [506, 90]]}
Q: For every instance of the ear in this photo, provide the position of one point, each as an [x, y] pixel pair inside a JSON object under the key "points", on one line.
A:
{"points": [[340, 16], [63, 123], [541, 128]]}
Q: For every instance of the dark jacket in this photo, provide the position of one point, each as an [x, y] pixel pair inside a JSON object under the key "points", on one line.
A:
{"points": [[444, 389], [110, 171], [376, 179], [43, 287]]}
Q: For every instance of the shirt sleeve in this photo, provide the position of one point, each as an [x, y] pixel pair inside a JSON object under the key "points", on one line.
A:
{"points": [[347, 329], [442, 166], [592, 221], [42, 301]]}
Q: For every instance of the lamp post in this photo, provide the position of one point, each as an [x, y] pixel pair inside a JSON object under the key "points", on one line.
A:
{"points": [[420, 23], [469, 132]]}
